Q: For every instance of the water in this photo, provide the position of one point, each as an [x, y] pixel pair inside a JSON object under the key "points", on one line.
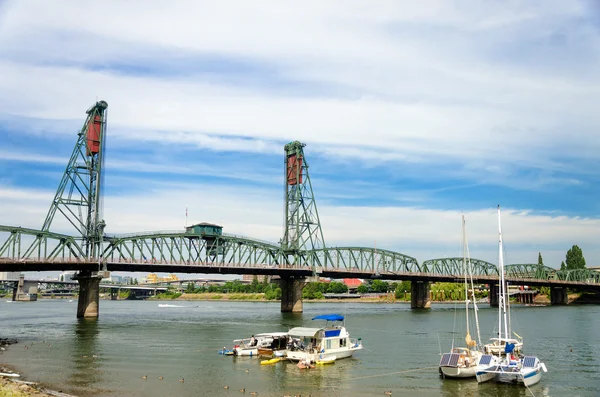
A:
{"points": [[136, 338]]}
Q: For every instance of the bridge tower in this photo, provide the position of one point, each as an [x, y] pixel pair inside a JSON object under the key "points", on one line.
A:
{"points": [[79, 200], [302, 225]]}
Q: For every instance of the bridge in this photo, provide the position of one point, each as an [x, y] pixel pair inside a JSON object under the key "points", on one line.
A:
{"points": [[203, 248]]}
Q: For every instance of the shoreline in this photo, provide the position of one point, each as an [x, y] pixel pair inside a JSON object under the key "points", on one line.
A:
{"points": [[18, 387]]}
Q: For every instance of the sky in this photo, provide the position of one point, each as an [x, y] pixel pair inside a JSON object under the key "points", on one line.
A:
{"points": [[412, 113]]}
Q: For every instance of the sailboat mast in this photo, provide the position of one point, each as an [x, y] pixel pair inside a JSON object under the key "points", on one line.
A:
{"points": [[475, 308], [502, 281], [464, 238]]}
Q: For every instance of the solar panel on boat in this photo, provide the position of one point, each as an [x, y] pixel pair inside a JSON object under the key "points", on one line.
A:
{"points": [[485, 359], [449, 360], [529, 362]]}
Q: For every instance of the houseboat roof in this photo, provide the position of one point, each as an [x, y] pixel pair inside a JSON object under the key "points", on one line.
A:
{"points": [[329, 317], [273, 334], [303, 331]]}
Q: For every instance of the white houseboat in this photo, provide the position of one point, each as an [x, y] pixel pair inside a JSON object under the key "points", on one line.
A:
{"points": [[314, 344]]}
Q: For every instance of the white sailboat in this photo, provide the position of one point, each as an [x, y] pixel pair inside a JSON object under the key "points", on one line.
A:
{"points": [[509, 367], [461, 362]]}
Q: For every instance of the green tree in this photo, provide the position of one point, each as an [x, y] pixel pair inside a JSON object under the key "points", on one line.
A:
{"points": [[540, 260], [363, 289], [336, 287], [562, 265], [190, 288], [379, 286], [575, 259]]}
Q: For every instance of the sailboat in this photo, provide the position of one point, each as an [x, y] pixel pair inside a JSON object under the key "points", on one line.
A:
{"points": [[507, 368], [461, 362]]}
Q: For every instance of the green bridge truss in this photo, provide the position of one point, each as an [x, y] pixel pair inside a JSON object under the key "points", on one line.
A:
{"points": [[197, 250]]}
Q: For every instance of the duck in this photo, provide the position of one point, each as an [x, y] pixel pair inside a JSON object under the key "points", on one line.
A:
{"points": [[225, 387], [388, 393], [182, 380], [145, 377], [160, 378], [253, 393], [247, 369], [243, 390]]}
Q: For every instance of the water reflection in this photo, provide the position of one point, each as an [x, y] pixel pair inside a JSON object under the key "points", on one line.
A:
{"points": [[470, 387], [85, 361]]}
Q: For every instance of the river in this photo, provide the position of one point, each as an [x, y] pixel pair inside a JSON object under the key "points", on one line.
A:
{"points": [[109, 356]]}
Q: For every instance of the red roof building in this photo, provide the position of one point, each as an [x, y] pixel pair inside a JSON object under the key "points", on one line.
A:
{"points": [[352, 283]]}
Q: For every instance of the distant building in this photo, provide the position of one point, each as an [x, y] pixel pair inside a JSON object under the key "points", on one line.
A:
{"points": [[9, 275], [66, 276], [352, 283], [260, 278], [126, 280], [153, 278]]}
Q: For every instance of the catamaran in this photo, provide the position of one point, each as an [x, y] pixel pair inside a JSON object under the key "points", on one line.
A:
{"points": [[319, 344], [510, 367], [461, 362]]}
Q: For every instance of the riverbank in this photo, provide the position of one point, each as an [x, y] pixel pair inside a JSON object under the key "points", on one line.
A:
{"points": [[16, 387]]}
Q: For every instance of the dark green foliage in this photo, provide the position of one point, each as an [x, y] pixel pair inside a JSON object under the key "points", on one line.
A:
{"points": [[563, 266], [336, 287], [540, 260], [575, 259], [314, 290], [402, 289], [190, 288]]}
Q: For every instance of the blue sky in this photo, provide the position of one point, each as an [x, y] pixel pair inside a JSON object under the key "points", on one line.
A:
{"points": [[411, 113]]}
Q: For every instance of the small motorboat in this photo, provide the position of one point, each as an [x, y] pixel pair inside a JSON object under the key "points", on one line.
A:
{"points": [[325, 360], [271, 361]]}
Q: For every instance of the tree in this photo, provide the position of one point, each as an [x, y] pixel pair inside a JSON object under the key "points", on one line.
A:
{"points": [[575, 259], [540, 260], [379, 286], [562, 265], [190, 288]]}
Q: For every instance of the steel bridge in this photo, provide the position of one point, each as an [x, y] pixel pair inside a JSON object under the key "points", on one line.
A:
{"points": [[300, 254]]}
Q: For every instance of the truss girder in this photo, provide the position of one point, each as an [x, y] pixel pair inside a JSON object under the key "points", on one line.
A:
{"points": [[22, 243], [190, 249], [587, 276], [454, 266], [361, 260], [533, 271]]}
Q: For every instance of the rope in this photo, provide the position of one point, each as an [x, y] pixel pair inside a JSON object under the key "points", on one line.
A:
{"points": [[524, 384], [395, 373]]}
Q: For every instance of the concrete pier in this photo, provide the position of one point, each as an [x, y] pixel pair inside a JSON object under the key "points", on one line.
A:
{"points": [[559, 296], [291, 294], [24, 291], [89, 294], [494, 295], [420, 299]]}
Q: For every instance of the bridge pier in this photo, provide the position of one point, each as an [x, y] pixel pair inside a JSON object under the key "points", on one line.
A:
{"points": [[114, 294], [291, 294], [558, 296], [88, 304], [419, 295], [494, 294]]}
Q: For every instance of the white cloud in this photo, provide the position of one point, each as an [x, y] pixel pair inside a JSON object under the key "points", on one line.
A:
{"points": [[424, 87]]}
